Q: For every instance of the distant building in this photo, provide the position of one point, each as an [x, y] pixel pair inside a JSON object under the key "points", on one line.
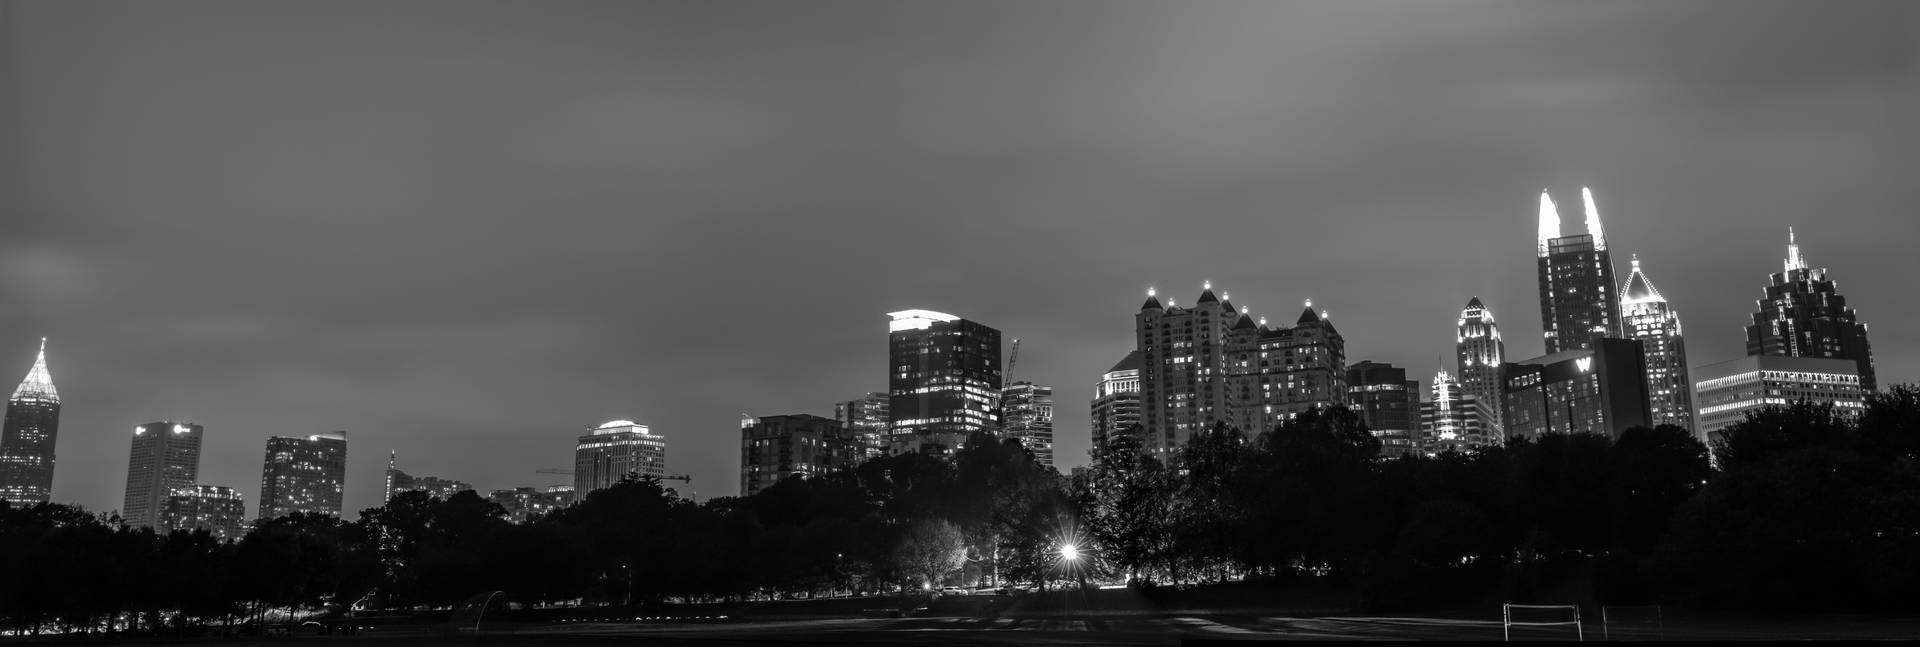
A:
{"points": [[522, 504], [1389, 403], [165, 458], [27, 437], [1479, 352], [1804, 315], [1645, 316], [1116, 400], [1728, 391], [1454, 419], [866, 418], [775, 447], [398, 481], [303, 474], [218, 509], [943, 375], [613, 450], [1028, 409], [1578, 303], [1598, 391]]}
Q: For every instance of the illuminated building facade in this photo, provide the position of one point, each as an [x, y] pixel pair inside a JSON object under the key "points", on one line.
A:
{"points": [[1028, 410], [1388, 402], [165, 458], [866, 419], [1803, 315], [398, 481], [1602, 390], [613, 450], [1645, 316], [523, 504], [776, 447], [27, 436], [1478, 354], [303, 474], [218, 509], [1116, 401], [943, 379], [1728, 391], [1454, 419], [1578, 303], [1275, 374]]}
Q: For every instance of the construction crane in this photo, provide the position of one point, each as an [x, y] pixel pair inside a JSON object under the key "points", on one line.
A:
{"points": [[1012, 357], [683, 478]]}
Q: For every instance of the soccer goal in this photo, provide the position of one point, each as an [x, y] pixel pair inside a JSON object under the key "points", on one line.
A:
{"points": [[1635, 621], [1540, 615]]}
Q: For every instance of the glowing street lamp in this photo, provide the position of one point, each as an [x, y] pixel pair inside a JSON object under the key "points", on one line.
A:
{"points": [[1069, 552]]}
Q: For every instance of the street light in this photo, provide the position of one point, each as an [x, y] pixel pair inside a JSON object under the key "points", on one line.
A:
{"points": [[1069, 552]]}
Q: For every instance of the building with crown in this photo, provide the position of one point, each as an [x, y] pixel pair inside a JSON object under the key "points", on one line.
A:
{"points": [[1578, 302], [217, 509], [1455, 419], [1116, 400], [1646, 316], [1804, 315], [773, 448], [866, 419], [1028, 412], [27, 436], [303, 474], [1389, 403], [1478, 354], [943, 379], [399, 481], [165, 458], [1601, 390], [614, 450]]}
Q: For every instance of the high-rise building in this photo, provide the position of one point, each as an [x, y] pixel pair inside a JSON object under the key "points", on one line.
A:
{"points": [[1388, 402], [943, 376], [1455, 419], [218, 509], [1645, 316], [303, 474], [398, 481], [1211, 364], [1479, 352], [1028, 410], [613, 450], [1116, 400], [866, 418], [27, 436], [165, 458], [524, 503], [1728, 391], [1578, 303], [776, 447], [1602, 390], [1803, 315]]}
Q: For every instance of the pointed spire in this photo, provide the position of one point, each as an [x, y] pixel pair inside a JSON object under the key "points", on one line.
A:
{"points": [[1153, 302], [1794, 260], [1593, 221], [1549, 221], [39, 383], [1637, 288]]}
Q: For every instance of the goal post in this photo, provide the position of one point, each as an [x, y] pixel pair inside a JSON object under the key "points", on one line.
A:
{"points": [[1636, 616], [1540, 615]]}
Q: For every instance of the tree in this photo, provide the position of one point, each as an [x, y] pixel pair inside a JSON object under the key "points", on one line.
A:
{"points": [[930, 549], [1123, 499]]}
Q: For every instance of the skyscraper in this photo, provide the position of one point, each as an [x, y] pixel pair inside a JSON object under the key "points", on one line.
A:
{"points": [[773, 448], [1803, 315], [303, 474], [613, 450], [943, 375], [1028, 409], [1578, 303], [1455, 419], [1645, 316], [1388, 402], [217, 509], [27, 436], [1598, 391], [398, 481], [866, 419], [165, 458], [1116, 400], [1478, 352]]}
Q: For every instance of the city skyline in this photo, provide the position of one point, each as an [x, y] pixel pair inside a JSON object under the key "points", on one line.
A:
{"points": [[423, 343]]}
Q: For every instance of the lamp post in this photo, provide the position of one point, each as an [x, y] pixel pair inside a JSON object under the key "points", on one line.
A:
{"points": [[628, 572]]}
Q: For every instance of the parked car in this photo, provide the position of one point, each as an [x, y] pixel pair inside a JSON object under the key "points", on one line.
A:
{"points": [[952, 590]]}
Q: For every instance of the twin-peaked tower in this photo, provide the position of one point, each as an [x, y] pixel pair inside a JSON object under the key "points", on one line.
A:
{"points": [[1578, 303]]}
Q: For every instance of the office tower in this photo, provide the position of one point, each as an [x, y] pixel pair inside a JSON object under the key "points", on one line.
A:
{"points": [[1455, 419], [165, 458], [1577, 301], [303, 474], [1028, 410], [1116, 400], [1728, 391], [1645, 316], [217, 509], [1803, 315], [1602, 390], [1478, 352], [398, 481], [522, 504], [614, 450], [27, 436], [944, 376], [1211, 364], [866, 418], [775, 447], [1388, 402]]}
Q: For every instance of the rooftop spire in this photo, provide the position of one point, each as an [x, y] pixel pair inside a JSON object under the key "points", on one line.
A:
{"points": [[39, 384], [1638, 289], [1593, 220], [1794, 260], [1549, 221]]}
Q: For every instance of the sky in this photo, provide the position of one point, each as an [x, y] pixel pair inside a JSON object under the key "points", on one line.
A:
{"points": [[468, 231]]}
